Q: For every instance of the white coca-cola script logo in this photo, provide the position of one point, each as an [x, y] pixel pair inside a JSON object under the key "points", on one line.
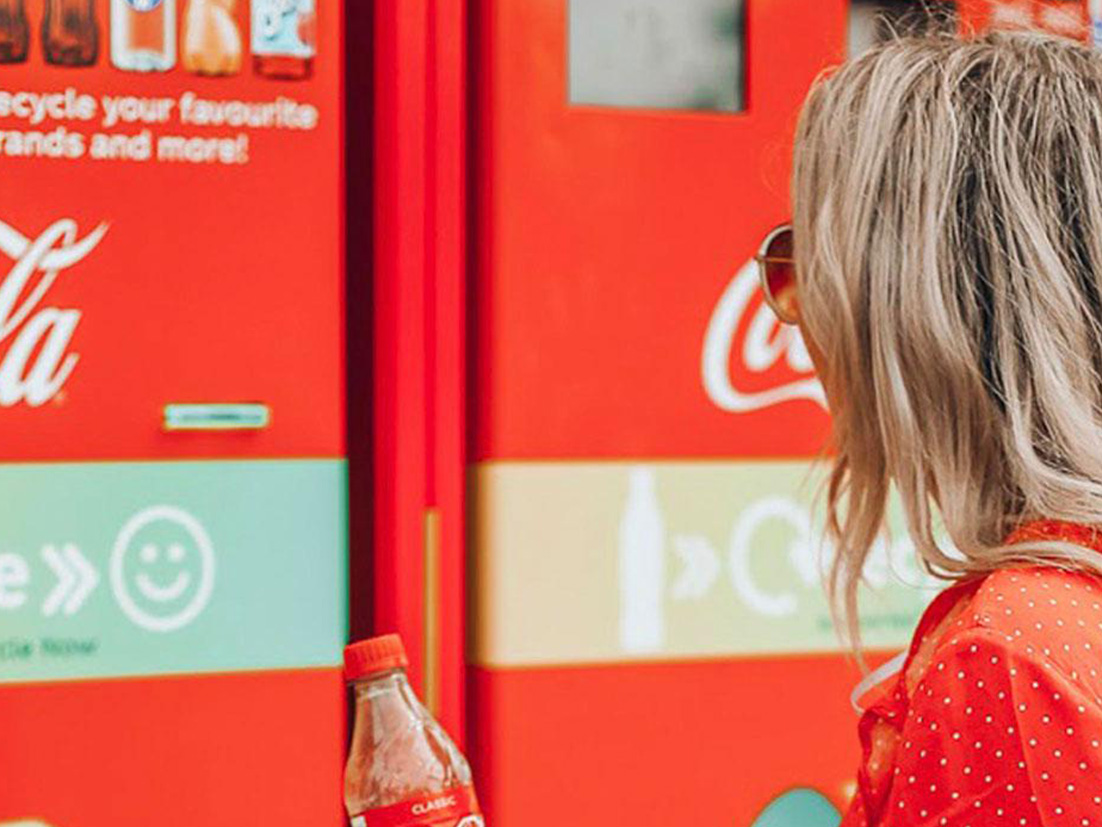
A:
{"points": [[34, 337], [764, 345]]}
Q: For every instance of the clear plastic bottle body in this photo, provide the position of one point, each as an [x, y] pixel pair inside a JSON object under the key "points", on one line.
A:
{"points": [[398, 751]]}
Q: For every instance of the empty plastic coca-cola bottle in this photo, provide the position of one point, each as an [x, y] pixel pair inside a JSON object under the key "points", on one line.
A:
{"points": [[14, 32], [403, 769]]}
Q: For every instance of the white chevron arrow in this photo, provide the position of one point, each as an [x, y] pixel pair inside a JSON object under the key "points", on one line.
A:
{"points": [[75, 579], [699, 567]]}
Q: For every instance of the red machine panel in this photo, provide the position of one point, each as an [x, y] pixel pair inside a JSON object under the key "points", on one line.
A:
{"points": [[228, 749], [615, 314], [698, 743], [169, 238]]}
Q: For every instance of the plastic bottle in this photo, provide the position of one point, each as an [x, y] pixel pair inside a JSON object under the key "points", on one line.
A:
{"points": [[143, 35], [211, 38], [14, 32], [403, 770], [1096, 23], [70, 33], [283, 38]]}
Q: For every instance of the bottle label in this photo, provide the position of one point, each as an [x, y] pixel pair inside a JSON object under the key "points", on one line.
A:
{"points": [[453, 808], [143, 5], [283, 27]]}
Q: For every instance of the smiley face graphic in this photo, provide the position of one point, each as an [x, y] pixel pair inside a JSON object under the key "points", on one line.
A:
{"points": [[162, 568]]}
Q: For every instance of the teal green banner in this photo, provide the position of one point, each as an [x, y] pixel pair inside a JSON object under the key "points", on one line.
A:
{"points": [[179, 567]]}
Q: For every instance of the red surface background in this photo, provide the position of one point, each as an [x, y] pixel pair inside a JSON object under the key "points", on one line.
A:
{"points": [[179, 752], [707, 742], [214, 283]]}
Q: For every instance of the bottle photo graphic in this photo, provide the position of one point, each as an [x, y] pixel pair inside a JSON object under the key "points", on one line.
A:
{"points": [[70, 33], [14, 32], [283, 38], [211, 42], [1095, 9], [143, 35]]}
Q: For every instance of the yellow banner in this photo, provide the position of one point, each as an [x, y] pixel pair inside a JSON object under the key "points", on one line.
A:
{"points": [[578, 562]]}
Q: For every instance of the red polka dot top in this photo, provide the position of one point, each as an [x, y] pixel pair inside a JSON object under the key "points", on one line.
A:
{"points": [[996, 716]]}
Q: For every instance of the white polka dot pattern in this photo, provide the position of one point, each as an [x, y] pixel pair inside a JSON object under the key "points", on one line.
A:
{"points": [[997, 716]]}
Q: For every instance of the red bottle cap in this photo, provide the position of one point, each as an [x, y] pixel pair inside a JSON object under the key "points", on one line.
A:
{"points": [[376, 654]]}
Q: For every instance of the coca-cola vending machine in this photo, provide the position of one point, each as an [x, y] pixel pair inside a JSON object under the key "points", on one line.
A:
{"points": [[172, 450], [576, 372], [649, 619]]}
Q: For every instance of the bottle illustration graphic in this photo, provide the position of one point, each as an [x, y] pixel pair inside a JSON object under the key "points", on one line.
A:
{"points": [[143, 35], [1096, 23], [14, 32], [70, 33], [283, 38], [642, 566], [211, 39]]}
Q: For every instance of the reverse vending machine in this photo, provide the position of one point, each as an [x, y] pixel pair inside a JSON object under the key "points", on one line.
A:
{"points": [[646, 637], [172, 474]]}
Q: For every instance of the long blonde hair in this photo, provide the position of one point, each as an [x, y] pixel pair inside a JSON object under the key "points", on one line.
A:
{"points": [[948, 238]]}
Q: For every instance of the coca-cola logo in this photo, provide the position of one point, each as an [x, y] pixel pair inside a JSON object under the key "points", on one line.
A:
{"points": [[35, 361], [745, 333]]}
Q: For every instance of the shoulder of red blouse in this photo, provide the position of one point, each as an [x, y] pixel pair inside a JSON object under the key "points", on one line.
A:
{"points": [[1003, 718]]}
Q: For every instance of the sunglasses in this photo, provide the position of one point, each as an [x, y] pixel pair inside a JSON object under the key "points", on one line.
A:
{"points": [[777, 271]]}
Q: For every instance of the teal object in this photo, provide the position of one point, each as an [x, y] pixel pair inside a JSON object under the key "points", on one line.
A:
{"points": [[157, 568], [224, 416], [799, 808]]}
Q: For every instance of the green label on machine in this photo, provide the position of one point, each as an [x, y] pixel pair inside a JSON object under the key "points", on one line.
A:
{"points": [[162, 568]]}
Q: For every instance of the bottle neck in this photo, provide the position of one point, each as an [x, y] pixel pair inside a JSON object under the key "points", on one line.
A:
{"points": [[390, 680], [384, 700]]}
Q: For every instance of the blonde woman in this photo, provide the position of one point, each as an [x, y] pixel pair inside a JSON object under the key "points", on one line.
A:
{"points": [[945, 267]]}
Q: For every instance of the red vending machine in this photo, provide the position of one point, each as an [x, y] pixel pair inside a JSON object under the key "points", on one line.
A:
{"points": [[172, 526], [650, 644], [590, 430]]}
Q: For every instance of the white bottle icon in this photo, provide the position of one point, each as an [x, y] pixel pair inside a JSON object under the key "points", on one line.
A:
{"points": [[642, 567]]}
